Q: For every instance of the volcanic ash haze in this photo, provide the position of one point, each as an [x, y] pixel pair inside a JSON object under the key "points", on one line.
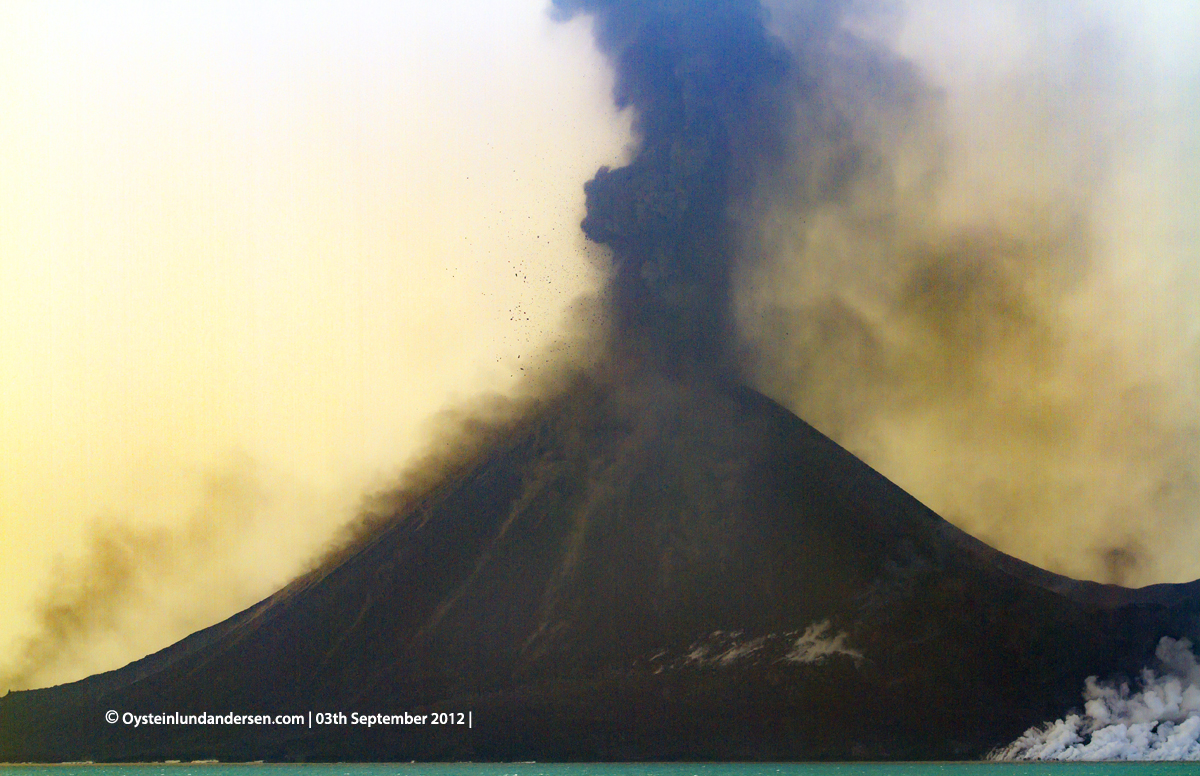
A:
{"points": [[977, 272], [946, 237], [961, 243], [248, 253], [645, 559]]}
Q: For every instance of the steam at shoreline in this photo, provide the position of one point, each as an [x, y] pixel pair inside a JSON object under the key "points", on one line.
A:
{"points": [[1160, 721]]}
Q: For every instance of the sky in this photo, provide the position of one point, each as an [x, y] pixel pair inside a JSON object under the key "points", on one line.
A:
{"points": [[248, 252]]}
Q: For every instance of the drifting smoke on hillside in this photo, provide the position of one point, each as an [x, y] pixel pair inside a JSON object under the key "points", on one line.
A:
{"points": [[135, 588]]}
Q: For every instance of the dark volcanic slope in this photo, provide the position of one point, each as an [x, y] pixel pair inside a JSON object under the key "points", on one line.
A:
{"points": [[651, 570]]}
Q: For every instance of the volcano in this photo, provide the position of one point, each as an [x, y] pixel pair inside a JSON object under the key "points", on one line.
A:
{"points": [[650, 567], [657, 562]]}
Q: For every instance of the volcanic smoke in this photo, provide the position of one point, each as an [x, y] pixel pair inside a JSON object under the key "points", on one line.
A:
{"points": [[923, 277], [645, 559], [801, 212]]}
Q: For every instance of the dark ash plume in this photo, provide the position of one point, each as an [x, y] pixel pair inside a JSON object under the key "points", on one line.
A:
{"points": [[808, 210], [708, 87]]}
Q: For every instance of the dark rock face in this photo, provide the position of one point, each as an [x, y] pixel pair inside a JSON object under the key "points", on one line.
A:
{"points": [[655, 569]]}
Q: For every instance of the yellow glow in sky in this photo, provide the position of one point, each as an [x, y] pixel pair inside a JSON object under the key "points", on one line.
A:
{"points": [[267, 240], [248, 249]]}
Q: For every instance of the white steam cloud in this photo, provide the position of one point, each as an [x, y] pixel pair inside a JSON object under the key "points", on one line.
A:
{"points": [[1161, 721]]}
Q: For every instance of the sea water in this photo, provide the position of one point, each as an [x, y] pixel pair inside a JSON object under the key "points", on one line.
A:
{"points": [[617, 769]]}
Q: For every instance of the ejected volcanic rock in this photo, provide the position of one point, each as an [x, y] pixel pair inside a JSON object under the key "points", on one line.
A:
{"points": [[646, 568]]}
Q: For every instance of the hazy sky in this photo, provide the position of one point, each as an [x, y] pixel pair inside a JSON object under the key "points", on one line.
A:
{"points": [[996, 309], [247, 249], [260, 243]]}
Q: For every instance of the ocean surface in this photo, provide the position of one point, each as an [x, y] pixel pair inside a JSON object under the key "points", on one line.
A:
{"points": [[620, 769]]}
